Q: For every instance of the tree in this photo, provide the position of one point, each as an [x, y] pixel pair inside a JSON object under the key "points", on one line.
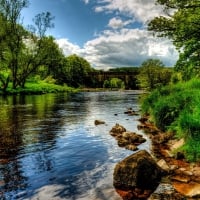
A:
{"points": [[153, 74], [22, 50], [4, 71], [37, 50], [11, 13], [114, 83], [76, 70], [181, 24]]}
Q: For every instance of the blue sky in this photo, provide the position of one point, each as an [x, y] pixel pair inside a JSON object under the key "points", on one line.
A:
{"points": [[108, 33]]}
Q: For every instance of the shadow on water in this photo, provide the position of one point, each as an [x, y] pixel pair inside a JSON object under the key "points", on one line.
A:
{"points": [[51, 141]]}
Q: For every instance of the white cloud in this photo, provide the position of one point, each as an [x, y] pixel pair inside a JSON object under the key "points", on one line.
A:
{"points": [[140, 10], [67, 47], [122, 46], [117, 23], [126, 47]]}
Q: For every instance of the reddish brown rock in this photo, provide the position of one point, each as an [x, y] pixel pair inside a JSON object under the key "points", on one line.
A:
{"points": [[191, 189]]}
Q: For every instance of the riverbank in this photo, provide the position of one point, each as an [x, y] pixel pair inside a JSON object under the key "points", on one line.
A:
{"points": [[176, 108], [38, 88], [183, 178]]}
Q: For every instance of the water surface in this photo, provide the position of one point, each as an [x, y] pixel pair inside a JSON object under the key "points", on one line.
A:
{"points": [[51, 149]]}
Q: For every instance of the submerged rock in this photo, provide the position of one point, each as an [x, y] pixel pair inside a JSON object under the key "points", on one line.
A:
{"points": [[137, 176], [98, 122]]}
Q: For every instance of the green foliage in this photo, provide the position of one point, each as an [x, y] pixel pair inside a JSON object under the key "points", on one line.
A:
{"points": [[40, 88], [50, 79], [182, 26], [177, 108], [124, 69], [114, 83], [75, 70], [192, 149], [152, 74]]}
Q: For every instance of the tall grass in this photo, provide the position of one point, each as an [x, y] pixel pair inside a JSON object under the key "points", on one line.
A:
{"points": [[177, 108]]}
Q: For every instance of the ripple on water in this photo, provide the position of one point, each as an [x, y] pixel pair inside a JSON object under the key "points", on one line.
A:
{"points": [[60, 153]]}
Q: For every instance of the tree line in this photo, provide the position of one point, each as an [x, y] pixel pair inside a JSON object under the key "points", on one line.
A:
{"points": [[26, 52]]}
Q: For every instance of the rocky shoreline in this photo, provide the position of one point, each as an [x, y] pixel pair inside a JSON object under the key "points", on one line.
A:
{"points": [[183, 178], [180, 180]]}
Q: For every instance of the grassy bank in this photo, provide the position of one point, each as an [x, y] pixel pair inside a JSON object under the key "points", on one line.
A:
{"points": [[39, 88], [177, 108]]}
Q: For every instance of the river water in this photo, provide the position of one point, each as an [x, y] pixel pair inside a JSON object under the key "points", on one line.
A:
{"points": [[51, 149]]}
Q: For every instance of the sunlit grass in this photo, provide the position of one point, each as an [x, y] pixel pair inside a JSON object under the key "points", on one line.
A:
{"points": [[177, 108], [40, 87]]}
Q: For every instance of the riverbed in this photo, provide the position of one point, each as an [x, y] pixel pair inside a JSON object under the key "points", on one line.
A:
{"points": [[50, 147]]}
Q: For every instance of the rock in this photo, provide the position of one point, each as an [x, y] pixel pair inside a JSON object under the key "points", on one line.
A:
{"points": [[117, 129], [98, 122], [137, 173], [128, 135], [161, 138], [191, 189], [133, 137], [165, 191], [122, 142], [196, 171], [131, 147], [162, 164], [144, 119], [181, 178], [126, 139]]}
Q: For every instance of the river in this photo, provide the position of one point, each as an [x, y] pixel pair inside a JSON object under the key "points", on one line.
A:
{"points": [[51, 149]]}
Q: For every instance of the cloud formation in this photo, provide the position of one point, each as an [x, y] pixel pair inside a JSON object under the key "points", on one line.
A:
{"points": [[126, 47], [140, 10], [119, 46], [117, 23]]}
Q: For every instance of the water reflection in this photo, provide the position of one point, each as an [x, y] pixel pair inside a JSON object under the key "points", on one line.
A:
{"points": [[51, 140]]}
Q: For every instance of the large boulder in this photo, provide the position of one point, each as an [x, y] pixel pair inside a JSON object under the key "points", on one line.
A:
{"points": [[138, 174]]}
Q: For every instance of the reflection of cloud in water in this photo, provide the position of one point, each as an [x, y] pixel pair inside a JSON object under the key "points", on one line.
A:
{"points": [[99, 189], [63, 155]]}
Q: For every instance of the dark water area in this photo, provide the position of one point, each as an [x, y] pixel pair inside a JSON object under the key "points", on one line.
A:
{"points": [[51, 149]]}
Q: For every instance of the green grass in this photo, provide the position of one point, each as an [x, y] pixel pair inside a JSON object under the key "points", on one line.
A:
{"points": [[40, 87], [177, 108]]}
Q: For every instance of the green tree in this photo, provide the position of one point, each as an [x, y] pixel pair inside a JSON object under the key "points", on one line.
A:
{"points": [[45, 60], [12, 33], [76, 69], [37, 49], [114, 83], [22, 50], [182, 25], [153, 74], [4, 71]]}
